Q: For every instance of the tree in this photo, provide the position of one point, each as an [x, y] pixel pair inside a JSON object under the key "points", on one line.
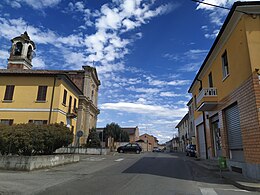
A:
{"points": [[93, 140], [114, 130]]}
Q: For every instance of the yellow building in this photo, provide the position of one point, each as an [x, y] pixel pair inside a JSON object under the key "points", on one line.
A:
{"points": [[226, 93], [47, 96]]}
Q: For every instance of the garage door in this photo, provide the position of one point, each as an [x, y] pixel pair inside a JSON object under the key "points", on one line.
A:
{"points": [[202, 144], [234, 132]]}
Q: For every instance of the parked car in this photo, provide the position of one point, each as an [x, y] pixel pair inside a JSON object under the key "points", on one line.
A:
{"points": [[134, 147], [191, 150], [155, 149]]}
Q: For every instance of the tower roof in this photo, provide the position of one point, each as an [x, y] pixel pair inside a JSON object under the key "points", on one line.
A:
{"points": [[25, 38]]}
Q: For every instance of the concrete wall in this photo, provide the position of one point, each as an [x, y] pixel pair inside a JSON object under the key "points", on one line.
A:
{"points": [[98, 151], [28, 163]]}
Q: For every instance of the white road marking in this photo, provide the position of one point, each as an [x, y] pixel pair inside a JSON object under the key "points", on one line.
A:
{"points": [[120, 159], [208, 191], [236, 190], [94, 159]]}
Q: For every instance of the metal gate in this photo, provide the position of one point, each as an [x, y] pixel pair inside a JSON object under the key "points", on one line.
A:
{"points": [[234, 133], [202, 144]]}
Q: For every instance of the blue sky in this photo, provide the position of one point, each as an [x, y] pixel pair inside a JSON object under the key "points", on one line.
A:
{"points": [[146, 52]]}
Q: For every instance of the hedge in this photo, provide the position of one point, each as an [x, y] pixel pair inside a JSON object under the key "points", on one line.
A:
{"points": [[31, 139]]}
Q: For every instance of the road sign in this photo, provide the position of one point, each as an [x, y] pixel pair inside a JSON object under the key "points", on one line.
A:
{"points": [[79, 133]]}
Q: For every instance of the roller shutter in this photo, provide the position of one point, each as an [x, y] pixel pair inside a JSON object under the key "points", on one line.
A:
{"points": [[202, 144], [233, 128], [234, 133]]}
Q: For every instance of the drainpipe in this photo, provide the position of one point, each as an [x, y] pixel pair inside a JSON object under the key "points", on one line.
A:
{"points": [[52, 97], [205, 135]]}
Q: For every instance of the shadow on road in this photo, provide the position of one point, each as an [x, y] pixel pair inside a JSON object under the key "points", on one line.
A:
{"points": [[174, 168]]}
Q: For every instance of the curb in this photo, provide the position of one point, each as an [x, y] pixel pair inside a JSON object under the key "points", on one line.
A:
{"points": [[239, 185], [228, 180]]}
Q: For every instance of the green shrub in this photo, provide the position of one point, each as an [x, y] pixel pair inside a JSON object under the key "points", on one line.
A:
{"points": [[93, 140], [31, 139]]}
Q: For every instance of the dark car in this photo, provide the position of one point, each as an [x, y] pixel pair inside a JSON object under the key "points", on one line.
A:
{"points": [[130, 148], [191, 150]]}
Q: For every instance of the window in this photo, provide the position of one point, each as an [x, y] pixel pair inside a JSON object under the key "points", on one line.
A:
{"points": [[210, 80], [9, 91], [75, 105], [38, 122], [64, 97], [225, 65], [42, 90], [29, 53], [70, 101], [92, 94], [6, 121], [18, 49]]}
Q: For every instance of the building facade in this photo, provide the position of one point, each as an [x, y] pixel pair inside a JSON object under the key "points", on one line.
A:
{"points": [[226, 93], [133, 133], [191, 126], [183, 132], [150, 142], [47, 96]]}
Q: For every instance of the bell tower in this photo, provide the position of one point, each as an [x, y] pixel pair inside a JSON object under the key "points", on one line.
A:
{"points": [[21, 52]]}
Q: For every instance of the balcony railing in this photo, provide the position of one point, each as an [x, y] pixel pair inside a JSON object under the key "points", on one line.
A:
{"points": [[72, 112], [206, 92]]}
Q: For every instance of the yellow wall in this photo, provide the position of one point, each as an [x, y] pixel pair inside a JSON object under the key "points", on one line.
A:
{"points": [[253, 37], [25, 94], [25, 91], [238, 60]]}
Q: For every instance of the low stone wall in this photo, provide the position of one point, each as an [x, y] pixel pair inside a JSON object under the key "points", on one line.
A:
{"points": [[28, 163], [97, 151]]}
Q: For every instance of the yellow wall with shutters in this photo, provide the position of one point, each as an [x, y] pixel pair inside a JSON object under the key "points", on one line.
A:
{"points": [[24, 99]]}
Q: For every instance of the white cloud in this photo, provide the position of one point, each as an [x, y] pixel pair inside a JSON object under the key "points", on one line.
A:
{"points": [[179, 82], [4, 55], [143, 90], [106, 45], [38, 62], [139, 108], [169, 94], [35, 4], [191, 67]]}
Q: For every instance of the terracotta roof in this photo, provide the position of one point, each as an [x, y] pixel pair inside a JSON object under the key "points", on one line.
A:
{"points": [[18, 72]]}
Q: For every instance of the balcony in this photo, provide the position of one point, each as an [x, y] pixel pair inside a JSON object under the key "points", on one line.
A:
{"points": [[72, 113], [207, 99]]}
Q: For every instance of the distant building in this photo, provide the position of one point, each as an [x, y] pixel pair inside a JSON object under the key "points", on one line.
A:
{"points": [[183, 132], [133, 133], [191, 125], [47, 96], [149, 141]]}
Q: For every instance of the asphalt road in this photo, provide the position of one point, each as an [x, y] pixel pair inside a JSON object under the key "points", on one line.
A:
{"points": [[154, 173]]}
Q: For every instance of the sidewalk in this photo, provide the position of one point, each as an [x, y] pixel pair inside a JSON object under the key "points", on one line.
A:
{"points": [[233, 178]]}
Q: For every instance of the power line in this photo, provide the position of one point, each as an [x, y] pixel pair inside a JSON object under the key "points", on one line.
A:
{"points": [[222, 7], [218, 6]]}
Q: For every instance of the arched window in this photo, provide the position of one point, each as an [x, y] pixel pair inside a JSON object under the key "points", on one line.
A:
{"points": [[29, 53], [18, 49]]}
